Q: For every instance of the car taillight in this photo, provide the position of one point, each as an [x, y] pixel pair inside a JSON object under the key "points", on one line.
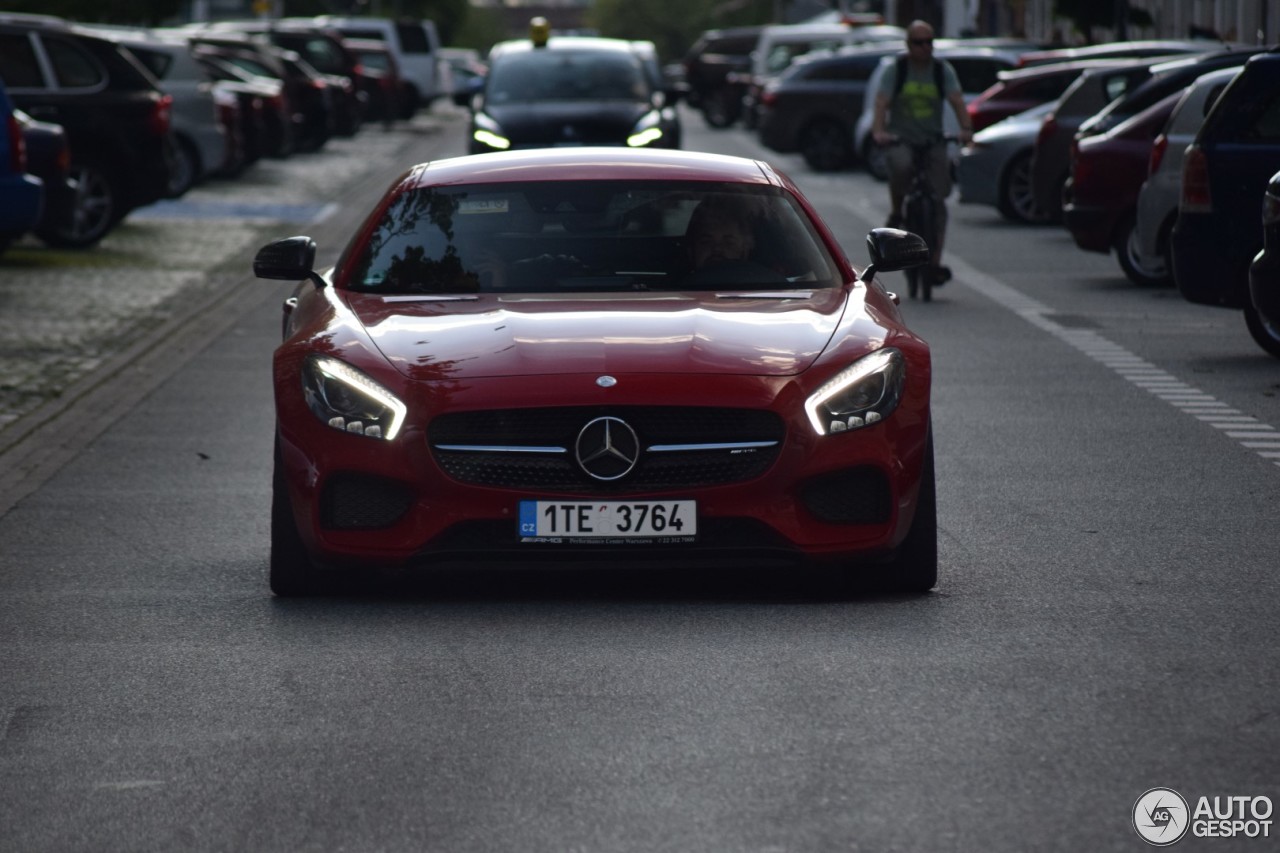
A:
{"points": [[1195, 182], [1048, 127], [17, 147], [161, 110], [768, 97], [1157, 153]]}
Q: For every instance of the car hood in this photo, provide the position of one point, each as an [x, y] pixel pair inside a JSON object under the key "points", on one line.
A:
{"points": [[568, 122], [750, 333]]}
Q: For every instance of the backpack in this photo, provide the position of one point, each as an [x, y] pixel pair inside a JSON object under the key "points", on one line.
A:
{"points": [[900, 77]]}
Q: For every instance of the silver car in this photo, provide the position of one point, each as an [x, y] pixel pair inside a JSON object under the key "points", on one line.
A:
{"points": [[996, 169], [1148, 253]]}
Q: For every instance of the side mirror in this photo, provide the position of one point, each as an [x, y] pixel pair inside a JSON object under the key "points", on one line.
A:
{"points": [[290, 259], [892, 249]]}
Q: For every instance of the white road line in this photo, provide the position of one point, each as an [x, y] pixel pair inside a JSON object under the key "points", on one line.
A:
{"points": [[1136, 370]]}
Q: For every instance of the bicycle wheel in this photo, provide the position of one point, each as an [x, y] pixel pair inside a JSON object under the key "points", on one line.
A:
{"points": [[919, 215]]}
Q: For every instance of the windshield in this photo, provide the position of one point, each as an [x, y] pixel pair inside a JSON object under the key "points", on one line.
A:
{"points": [[567, 75], [589, 237]]}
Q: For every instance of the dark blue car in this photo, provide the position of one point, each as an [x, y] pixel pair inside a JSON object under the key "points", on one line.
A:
{"points": [[21, 194], [1224, 179], [1264, 273]]}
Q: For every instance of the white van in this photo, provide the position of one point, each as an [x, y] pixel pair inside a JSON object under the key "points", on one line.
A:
{"points": [[416, 46]]}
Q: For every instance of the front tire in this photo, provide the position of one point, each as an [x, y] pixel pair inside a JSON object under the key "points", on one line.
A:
{"points": [[1265, 334], [1147, 275], [290, 572], [915, 566]]}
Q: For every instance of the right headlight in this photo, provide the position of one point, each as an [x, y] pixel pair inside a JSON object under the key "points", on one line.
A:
{"points": [[347, 400], [862, 394], [489, 133]]}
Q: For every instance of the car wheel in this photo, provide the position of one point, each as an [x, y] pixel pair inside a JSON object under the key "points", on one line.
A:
{"points": [[915, 567], [1267, 335], [721, 108], [92, 213], [825, 146], [290, 570], [1144, 274], [873, 160], [186, 168], [1017, 200]]}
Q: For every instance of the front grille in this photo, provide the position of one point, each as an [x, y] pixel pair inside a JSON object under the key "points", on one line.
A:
{"points": [[854, 496], [361, 502], [517, 465]]}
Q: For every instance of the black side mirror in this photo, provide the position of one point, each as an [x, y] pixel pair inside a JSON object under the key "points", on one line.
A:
{"points": [[290, 259], [893, 249]]}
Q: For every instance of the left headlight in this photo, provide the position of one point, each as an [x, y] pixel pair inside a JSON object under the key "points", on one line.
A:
{"points": [[862, 394], [647, 131], [489, 133], [347, 400]]}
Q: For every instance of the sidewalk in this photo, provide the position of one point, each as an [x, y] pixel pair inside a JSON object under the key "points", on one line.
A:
{"points": [[72, 321]]}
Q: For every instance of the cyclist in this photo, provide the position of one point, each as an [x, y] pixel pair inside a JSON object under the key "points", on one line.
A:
{"points": [[909, 109]]}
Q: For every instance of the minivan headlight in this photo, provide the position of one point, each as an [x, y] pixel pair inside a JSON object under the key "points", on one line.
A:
{"points": [[862, 394]]}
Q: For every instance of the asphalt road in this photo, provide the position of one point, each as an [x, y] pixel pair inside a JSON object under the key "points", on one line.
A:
{"points": [[1104, 622]]}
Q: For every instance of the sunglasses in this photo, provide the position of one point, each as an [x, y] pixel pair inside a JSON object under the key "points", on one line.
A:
{"points": [[920, 42]]}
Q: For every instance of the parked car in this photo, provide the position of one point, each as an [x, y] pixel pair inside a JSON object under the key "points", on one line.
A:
{"points": [[378, 78], [572, 90], [324, 52], [1158, 199], [813, 106], [1225, 174], [1091, 92], [114, 114], [1107, 171], [204, 143], [469, 71], [1017, 90], [1166, 78], [781, 44], [1134, 49], [415, 43], [555, 378], [21, 193], [977, 69], [1264, 273], [996, 169], [49, 159], [266, 116], [716, 68]]}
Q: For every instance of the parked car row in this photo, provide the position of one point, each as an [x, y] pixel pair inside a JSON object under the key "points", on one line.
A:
{"points": [[103, 119], [1166, 163]]}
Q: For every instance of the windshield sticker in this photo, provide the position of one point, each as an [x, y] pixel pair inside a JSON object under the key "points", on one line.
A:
{"points": [[495, 205]]}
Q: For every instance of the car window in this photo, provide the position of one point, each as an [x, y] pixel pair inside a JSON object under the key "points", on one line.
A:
{"points": [[567, 75], [1266, 127], [413, 38], [976, 74], [584, 236], [73, 67], [156, 62], [18, 66]]}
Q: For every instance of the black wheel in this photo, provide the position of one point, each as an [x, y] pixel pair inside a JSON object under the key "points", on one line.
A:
{"points": [[721, 108], [290, 570], [1145, 274], [186, 168], [94, 211], [915, 566], [1267, 335], [825, 146], [913, 282], [1017, 199], [919, 219]]}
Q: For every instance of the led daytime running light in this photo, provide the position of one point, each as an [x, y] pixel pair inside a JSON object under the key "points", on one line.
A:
{"points": [[355, 380], [884, 361]]}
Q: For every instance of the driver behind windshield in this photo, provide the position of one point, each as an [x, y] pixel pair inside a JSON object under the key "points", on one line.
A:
{"points": [[719, 233]]}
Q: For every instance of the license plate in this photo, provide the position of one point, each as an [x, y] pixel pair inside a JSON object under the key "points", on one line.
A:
{"points": [[638, 522]]}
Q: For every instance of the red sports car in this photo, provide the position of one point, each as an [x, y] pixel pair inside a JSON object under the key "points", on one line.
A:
{"points": [[601, 354]]}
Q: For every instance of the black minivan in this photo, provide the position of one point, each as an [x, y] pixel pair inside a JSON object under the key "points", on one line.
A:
{"points": [[114, 114]]}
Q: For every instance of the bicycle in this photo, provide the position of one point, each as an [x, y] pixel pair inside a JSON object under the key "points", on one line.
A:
{"points": [[920, 214]]}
